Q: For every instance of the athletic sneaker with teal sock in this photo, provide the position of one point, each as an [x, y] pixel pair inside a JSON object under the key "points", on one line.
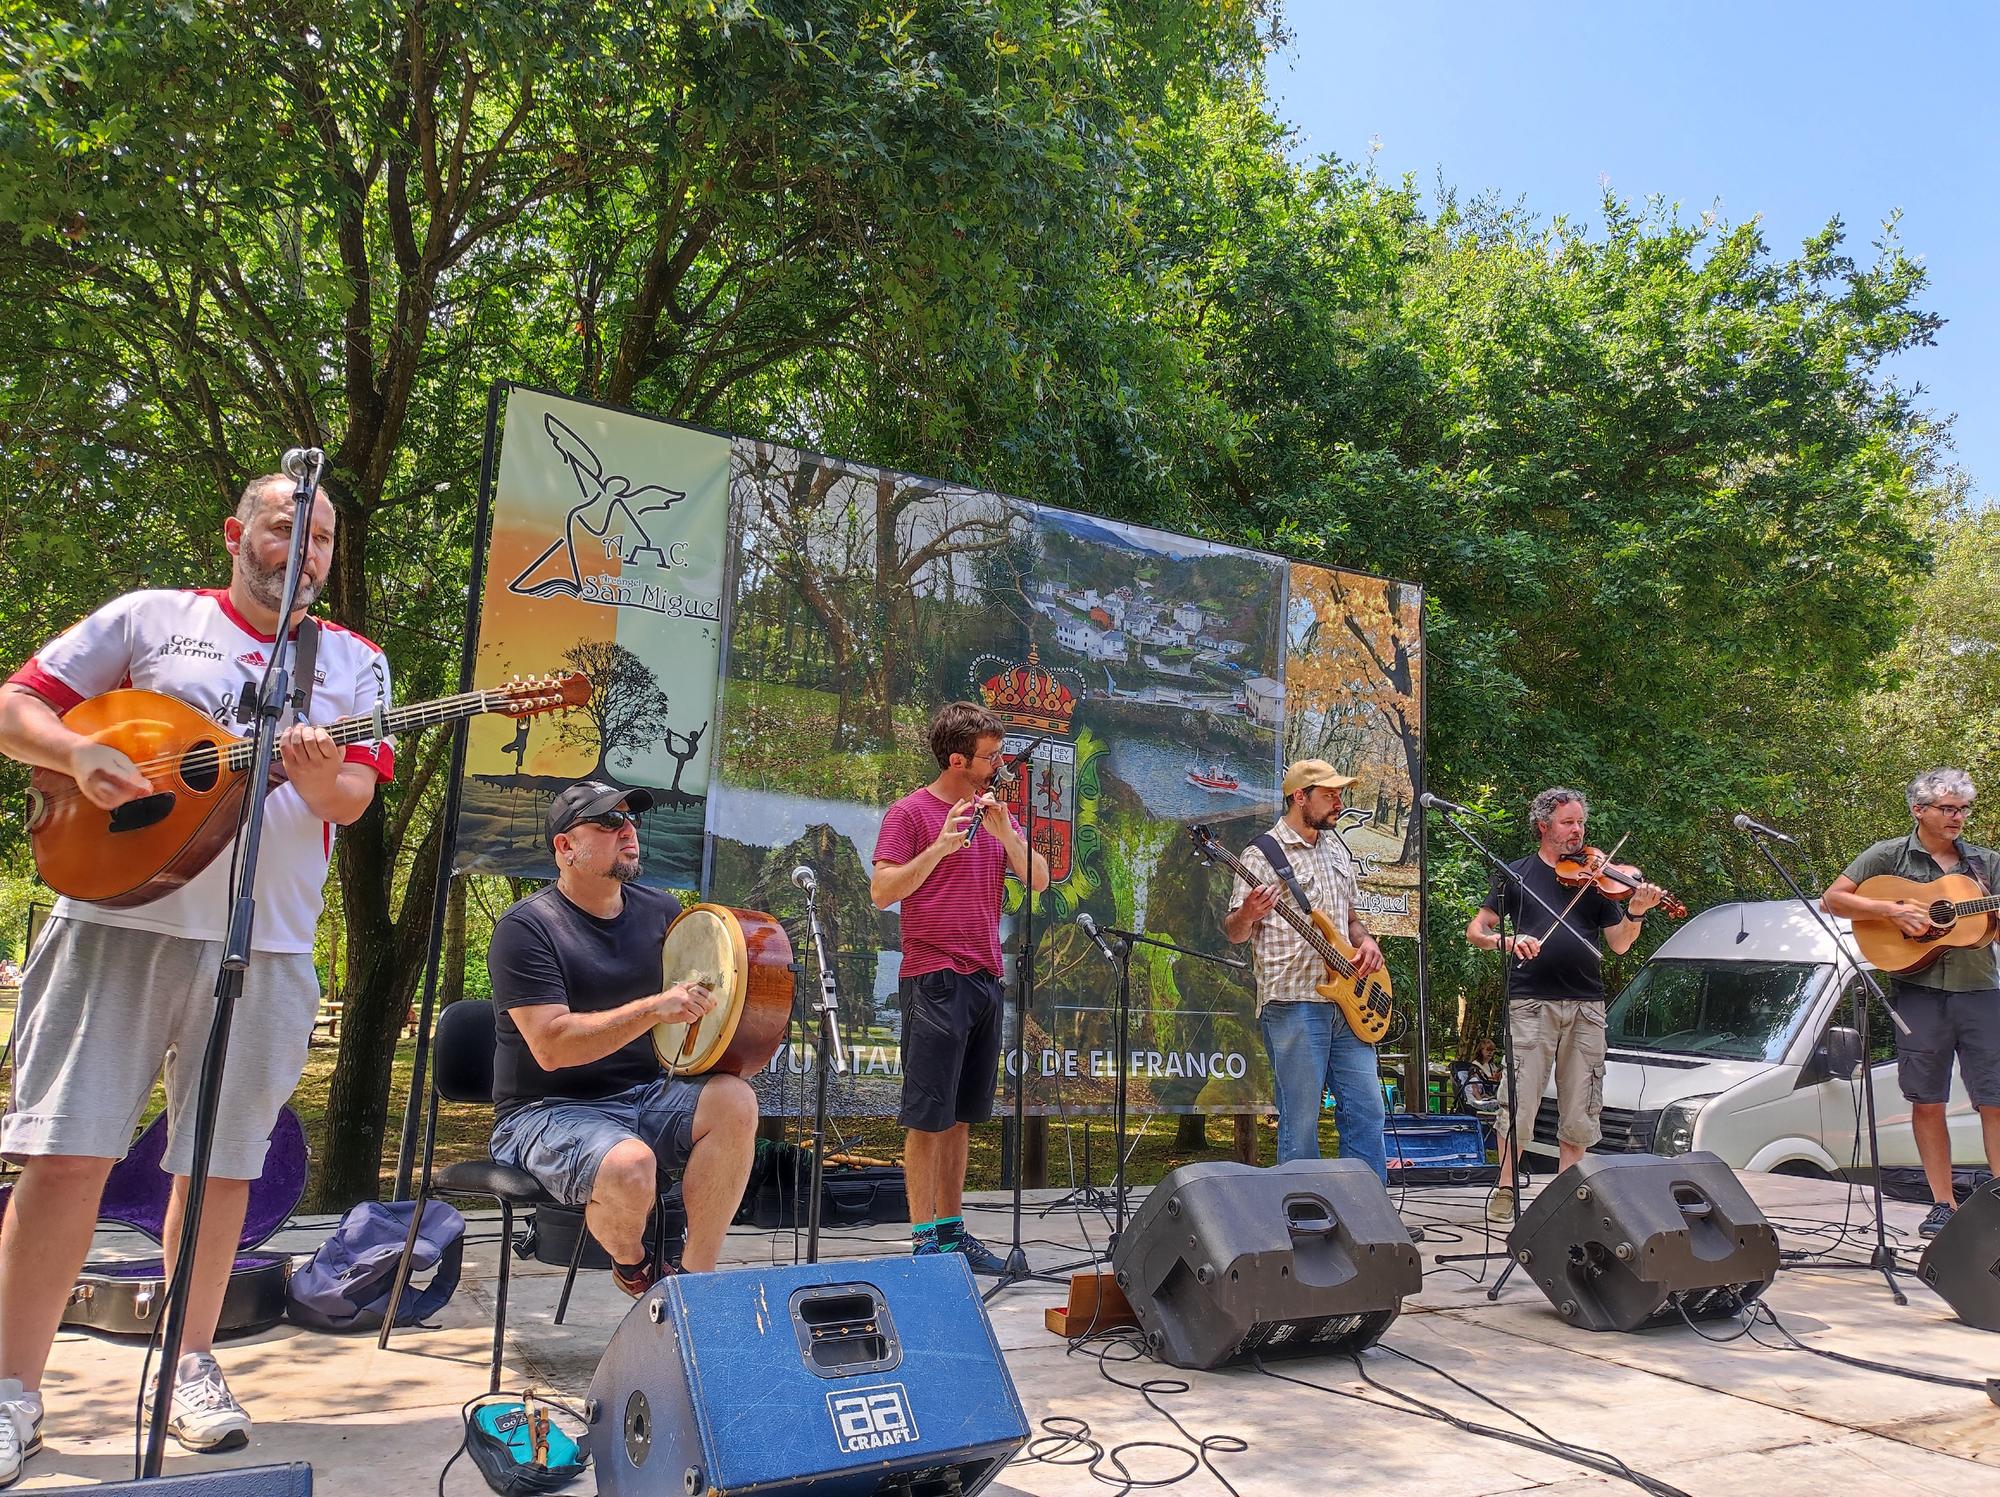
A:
{"points": [[924, 1240]]}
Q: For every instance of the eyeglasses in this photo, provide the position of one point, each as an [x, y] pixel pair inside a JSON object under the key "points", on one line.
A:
{"points": [[996, 756], [611, 821]]}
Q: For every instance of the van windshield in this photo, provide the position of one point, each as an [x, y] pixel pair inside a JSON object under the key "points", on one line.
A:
{"points": [[1737, 1010]]}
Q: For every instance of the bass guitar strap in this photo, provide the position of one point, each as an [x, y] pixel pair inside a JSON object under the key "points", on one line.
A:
{"points": [[1267, 844]]}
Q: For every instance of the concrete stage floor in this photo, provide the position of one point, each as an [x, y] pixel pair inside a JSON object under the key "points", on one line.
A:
{"points": [[1701, 1416]]}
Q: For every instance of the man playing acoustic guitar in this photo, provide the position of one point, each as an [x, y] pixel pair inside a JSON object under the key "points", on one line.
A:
{"points": [[109, 994], [1311, 1045], [1953, 1005]]}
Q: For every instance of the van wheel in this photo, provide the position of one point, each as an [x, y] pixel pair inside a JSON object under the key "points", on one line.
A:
{"points": [[1803, 1167]]}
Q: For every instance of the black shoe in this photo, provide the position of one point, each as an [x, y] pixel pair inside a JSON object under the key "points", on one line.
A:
{"points": [[1934, 1223], [979, 1257]]}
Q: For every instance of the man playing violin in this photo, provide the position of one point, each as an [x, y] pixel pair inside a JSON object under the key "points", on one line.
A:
{"points": [[578, 1098], [1556, 985], [943, 854], [1952, 1007]]}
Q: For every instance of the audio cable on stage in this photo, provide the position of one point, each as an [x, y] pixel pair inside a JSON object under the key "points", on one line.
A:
{"points": [[1763, 1314], [1541, 1442]]}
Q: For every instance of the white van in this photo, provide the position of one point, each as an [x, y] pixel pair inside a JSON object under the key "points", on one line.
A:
{"points": [[1738, 1036]]}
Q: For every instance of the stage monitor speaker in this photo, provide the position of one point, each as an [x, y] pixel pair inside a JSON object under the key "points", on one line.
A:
{"points": [[844, 1379], [294, 1480], [1962, 1263], [1225, 1261], [1620, 1241]]}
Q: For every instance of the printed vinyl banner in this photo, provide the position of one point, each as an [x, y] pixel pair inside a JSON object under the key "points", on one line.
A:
{"points": [[605, 557], [1172, 678]]}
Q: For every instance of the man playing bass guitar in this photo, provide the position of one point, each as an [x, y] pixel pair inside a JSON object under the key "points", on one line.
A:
{"points": [[1311, 1045], [109, 994], [1952, 1006]]}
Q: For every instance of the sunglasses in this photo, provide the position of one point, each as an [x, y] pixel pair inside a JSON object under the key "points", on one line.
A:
{"points": [[611, 821]]}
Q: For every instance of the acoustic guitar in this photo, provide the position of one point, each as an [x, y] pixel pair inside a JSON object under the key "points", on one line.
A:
{"points": [[151, 846], [1961, 915], [1366, 1004]]}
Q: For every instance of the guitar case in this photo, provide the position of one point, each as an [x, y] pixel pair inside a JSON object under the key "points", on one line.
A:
{"points": [[125, 1297]]}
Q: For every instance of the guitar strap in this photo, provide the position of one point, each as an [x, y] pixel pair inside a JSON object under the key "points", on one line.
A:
{"points": [[1267, 844], [305, 664]]}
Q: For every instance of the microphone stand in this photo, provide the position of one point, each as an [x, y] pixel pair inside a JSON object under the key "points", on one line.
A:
{"points": [[1121, 1049], [267, 701], [1881, 1257], [1015, 1268], [829, 1046], [1512, 1147]]}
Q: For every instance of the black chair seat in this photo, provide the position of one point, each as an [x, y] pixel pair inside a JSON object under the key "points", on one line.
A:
{"points": [[489, 1177]]}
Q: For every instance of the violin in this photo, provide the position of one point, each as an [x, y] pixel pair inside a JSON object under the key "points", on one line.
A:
{"points": [[1593, 867]]}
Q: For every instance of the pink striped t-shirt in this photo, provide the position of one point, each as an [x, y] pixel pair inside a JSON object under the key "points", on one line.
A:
{"points": [[951, 919]]}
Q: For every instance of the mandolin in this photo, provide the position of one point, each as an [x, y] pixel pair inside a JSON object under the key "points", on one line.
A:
{"points": [[1961, 914], [1366, 1004], [149, 847]]}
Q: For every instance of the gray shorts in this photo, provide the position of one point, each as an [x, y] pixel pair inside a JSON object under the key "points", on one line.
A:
{"points": [[105, 1008], [1943, 1025], [1568, 1036], [562, 1142]]}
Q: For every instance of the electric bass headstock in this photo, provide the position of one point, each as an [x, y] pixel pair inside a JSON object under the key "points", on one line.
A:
{"points": [[1204, 841], [539, 694]]}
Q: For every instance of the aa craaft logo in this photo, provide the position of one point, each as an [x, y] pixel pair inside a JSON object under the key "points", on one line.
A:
{"points": [[871, 1418]]}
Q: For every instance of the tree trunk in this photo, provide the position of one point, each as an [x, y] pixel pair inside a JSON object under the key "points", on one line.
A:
{"points": [[385, 956], [1191, 1133], [1246, 1137], [451, 976]]}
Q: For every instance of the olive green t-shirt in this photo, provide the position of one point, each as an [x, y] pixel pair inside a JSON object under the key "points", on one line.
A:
{"points": [[1959, 970]]}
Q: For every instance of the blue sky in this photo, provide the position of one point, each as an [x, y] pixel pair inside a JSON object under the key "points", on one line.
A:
{"points": [[1795, 112]]}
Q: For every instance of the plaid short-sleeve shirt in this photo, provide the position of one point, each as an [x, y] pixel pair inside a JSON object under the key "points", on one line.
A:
{"points": [[1287, 968]]}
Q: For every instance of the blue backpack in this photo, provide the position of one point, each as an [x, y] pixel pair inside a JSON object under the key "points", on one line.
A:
{"points": [[347, 1284]]}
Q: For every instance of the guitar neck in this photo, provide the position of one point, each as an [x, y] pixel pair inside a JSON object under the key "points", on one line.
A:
{"points": [[1984, 906], [366, 729], [1299, 921]]}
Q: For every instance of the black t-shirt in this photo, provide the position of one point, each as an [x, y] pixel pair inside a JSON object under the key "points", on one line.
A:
{"points": [[1565, 969], [546, 950]]}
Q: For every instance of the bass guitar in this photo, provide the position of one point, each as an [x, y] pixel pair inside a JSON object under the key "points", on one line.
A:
{"points": [[1366, 1004], [1960, 911], [151, 846]]}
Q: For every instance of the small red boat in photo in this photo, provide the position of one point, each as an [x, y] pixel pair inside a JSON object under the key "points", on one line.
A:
{"points": [[1215, 777]]}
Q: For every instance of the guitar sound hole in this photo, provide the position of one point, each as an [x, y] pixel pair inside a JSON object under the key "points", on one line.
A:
{"points": [[199, 769]]}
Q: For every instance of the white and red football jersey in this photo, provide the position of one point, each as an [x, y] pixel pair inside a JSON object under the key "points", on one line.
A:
{"points": [[195, 645]]}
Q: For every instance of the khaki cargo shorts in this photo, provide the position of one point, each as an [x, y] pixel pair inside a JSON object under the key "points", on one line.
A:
{"points": [[1567, 1036]]}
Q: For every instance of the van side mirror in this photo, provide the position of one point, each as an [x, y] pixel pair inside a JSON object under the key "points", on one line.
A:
{"points": [[1842, 1049]]}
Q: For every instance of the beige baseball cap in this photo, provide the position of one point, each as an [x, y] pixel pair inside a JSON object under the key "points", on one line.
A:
{"points": [[1309, 772]]}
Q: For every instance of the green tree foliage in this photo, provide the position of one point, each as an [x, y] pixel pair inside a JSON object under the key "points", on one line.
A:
{"points": [[1662, 494]]}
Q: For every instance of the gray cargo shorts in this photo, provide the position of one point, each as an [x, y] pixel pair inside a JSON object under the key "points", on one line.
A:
{"points": [[105, 1008]]}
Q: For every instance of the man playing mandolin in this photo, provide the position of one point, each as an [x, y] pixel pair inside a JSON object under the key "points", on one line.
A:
{"points": [[579, 1101], [1951, 1005], [1311, 1045], [1556, 1010], [109, 993]]}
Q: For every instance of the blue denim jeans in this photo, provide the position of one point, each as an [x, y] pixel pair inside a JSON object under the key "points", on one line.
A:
{"points": [[1313, 1052]]}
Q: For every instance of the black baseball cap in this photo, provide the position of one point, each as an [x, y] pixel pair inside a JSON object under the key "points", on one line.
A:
{"points": [[588, 798]]}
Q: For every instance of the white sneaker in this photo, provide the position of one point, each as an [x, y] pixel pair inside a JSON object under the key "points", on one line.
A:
{"points": [[206, 1416], [20, 1429]]}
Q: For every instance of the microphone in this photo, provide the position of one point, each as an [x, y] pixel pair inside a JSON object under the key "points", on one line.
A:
{"points": [[1438, 803], [805, 878], [1758, 829], [299, 461], [1089, 927]]}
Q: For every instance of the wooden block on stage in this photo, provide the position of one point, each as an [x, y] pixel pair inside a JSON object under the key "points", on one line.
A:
{"points": [[1096, 1303]]}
